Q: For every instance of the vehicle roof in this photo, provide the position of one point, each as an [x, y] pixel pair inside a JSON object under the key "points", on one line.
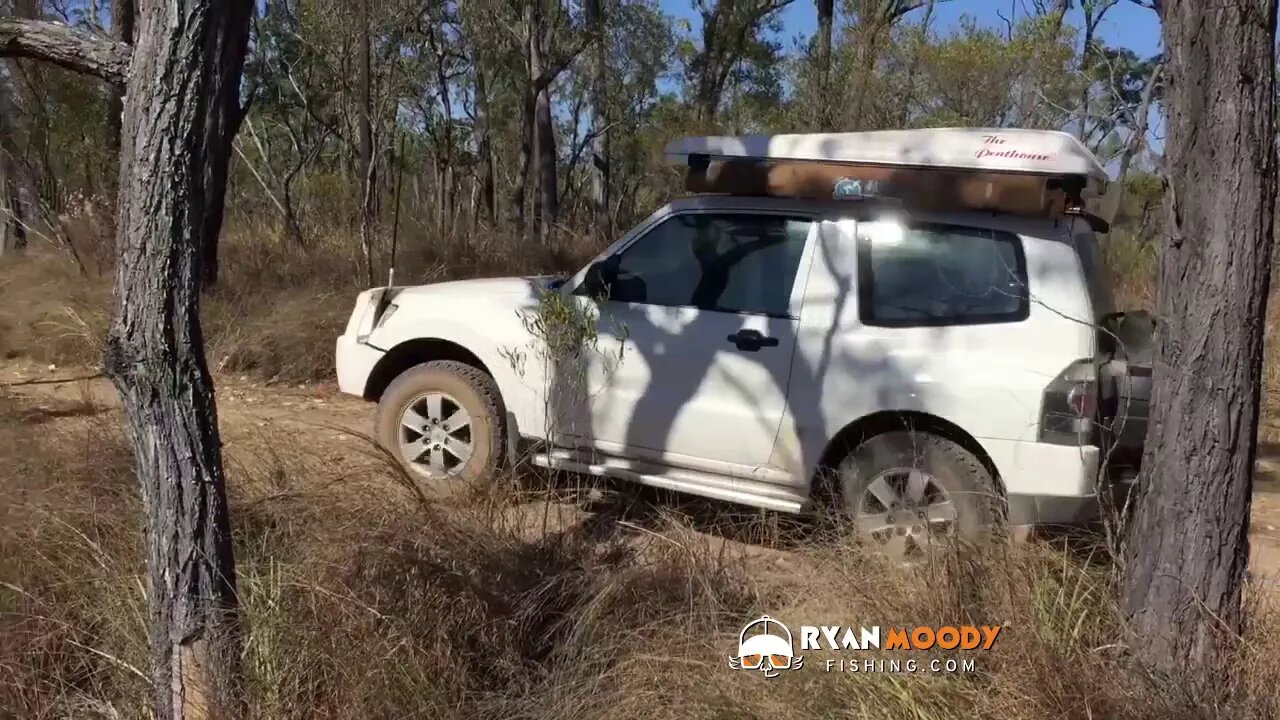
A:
{"points": [[991, 150]]}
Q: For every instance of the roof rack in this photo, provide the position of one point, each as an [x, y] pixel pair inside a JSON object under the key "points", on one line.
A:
{"points": [[1026, 172]]}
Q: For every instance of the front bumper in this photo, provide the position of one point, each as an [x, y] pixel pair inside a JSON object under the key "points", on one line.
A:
{"points": [[354, 362]]}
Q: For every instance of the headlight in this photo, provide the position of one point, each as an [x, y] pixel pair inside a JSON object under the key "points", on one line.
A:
{"points": [[365, 313], [386, 314]]}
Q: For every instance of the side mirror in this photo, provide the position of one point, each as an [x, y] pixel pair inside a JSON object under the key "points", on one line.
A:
{"points": [[600, 275]]}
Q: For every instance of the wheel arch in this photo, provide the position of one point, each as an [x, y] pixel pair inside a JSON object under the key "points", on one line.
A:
{"points": [[878, 423], [415, 352]]}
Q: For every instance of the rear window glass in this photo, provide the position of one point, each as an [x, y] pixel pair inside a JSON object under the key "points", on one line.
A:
{"points": [[1095, 274], [931, 275]]}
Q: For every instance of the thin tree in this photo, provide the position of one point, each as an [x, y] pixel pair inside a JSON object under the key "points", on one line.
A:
{"points": [[187, 61], [13, 227], [537, 33], [826, 27], [729, 27], [122, 27], [1094, 11], [368, 165], [1185, 560], [600, 180], [487, 164]]}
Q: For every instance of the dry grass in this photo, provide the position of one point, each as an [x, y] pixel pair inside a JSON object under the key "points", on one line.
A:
{"points": [[362, 600], [277, 310]]}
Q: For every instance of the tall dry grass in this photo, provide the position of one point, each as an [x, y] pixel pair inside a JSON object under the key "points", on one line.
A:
{"points": [[278, 307], [362, 599]]}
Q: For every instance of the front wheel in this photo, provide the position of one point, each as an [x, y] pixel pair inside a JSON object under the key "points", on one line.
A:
{"points": [[907, 492], [443, 420]]}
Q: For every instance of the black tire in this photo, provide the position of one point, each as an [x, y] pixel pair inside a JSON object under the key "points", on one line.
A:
{"points": [[473, 390], [949, 467]]}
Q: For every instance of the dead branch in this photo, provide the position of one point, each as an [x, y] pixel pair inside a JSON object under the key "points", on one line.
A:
{"points": [[71, 48]]}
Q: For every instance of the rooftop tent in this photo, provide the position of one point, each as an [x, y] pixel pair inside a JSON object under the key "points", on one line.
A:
{"points": [[1026, 172]]}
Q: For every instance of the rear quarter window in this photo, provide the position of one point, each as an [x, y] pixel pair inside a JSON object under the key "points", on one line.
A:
{"points": [[1095, 274], [930, 275]]}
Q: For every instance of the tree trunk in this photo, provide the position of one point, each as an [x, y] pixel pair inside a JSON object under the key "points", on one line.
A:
{"points": [[1094, 12], [13, 230], [13, 233], [543, 131], [1084, 74], [228, 118], [599, 121], [488, 169], [826, 23], [1185, 560], [1058, 16], [292, 228], [707, 99], [177, 124], [122, 27], [368, 166], [1134, 144], [29, 96], [519, 190], [545, 162]]}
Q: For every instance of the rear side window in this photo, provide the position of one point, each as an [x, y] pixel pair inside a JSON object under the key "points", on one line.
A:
{"points": [[928, 275], [1095, 275]]}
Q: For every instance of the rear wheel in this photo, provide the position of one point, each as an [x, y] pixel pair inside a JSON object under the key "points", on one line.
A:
{"points": [[443, 420], [909, 492]]}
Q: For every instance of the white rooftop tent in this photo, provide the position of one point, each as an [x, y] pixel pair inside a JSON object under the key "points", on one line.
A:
{"points": [[1011, 170]]}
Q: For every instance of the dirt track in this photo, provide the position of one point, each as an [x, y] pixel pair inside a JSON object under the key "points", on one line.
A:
{"points": [[331, 425]]}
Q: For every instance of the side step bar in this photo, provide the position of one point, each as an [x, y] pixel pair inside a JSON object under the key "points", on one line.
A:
{"points": [[747, 492]]}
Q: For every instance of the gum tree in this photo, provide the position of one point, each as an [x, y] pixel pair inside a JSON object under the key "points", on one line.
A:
{"points": [[181, 85], [1185, 561]]}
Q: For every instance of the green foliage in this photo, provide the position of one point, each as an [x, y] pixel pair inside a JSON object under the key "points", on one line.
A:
{"points": [[977, 77], [734, 68]]}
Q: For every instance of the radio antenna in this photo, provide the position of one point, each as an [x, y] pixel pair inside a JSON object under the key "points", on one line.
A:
{"points": [[395, 222]]}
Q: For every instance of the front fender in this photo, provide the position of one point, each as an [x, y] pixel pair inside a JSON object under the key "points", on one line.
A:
{"points": [[502, 347]]}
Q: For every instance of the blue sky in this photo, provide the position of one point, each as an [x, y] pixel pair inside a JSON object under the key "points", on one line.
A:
{"points": [[1126, 25]]}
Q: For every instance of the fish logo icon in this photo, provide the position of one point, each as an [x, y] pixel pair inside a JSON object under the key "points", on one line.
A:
{"points": [[848, 188], [765, 645]]}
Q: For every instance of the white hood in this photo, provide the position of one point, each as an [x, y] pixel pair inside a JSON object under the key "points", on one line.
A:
{"points": [[481, 288]]}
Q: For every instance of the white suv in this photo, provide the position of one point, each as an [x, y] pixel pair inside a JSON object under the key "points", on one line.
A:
{"points": [[941, 369]]}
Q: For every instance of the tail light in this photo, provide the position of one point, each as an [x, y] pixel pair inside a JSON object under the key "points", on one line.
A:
{"points": [[1069, 411]]}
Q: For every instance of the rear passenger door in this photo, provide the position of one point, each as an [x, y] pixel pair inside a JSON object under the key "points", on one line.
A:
{"points": [[704, 312], [948, 307]]}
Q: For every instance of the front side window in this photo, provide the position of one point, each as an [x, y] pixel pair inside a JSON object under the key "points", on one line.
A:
{"points": [[931, 275], [725, 262]]}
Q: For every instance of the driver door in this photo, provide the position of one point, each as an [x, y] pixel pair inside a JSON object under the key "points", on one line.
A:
{"points": [[695, 341]]}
